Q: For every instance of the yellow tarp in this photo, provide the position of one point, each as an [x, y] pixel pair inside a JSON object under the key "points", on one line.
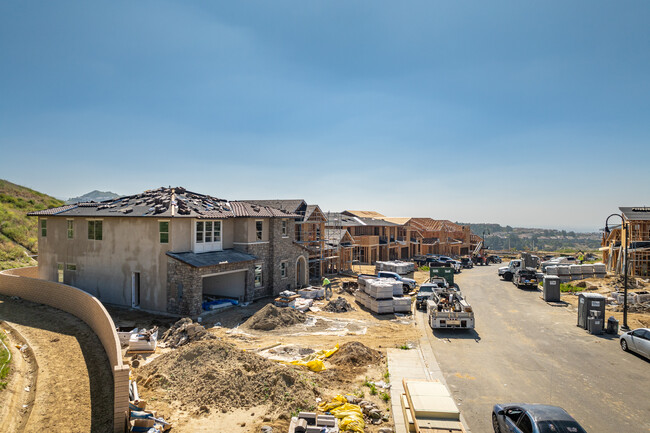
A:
{"points": [[350, 415], [314, 361]]}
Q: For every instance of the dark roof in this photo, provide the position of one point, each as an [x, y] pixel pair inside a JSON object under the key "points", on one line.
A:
{"points": [[334, 236], [290, 205], [200, 260], [640, 213], [167, 203], [336, 219]]}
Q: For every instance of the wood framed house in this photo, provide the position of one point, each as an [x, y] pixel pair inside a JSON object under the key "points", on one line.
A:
{"points": [[636, 222]]}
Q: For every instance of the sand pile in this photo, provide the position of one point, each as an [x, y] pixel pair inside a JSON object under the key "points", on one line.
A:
{"points": [[220, 376], [271, 317], [185, 331], [355, 354], [340, 305]]}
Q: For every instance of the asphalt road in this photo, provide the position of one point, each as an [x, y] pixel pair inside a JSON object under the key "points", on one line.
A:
{"points": [[524, 350]]}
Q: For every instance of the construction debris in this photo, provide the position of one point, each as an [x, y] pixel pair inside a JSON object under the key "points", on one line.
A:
{"points": [[271, 317], [340, 305], [185, 331]]}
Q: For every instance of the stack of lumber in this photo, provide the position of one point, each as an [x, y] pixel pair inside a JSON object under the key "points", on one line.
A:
{"points": [[428, 407], [312, 292], [402, 304], [600, 270], [396, 266]]}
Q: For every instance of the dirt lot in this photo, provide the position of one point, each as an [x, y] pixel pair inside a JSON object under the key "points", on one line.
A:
{"points": [[59, 383], [610, 284], [239, 380]]}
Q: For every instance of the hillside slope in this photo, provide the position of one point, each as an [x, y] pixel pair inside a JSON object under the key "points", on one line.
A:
{"points": [[93, 196], [18, 232]]}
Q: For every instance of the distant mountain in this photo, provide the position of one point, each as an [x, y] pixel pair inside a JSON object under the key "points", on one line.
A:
{"points": [[502, 238], [93, 196], [18, 232]]}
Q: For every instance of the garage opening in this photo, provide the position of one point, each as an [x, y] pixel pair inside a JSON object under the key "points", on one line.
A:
{"points": [[224, 289]]}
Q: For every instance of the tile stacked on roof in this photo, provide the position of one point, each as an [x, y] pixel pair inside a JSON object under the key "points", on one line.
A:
{"points": [[168, 202]]}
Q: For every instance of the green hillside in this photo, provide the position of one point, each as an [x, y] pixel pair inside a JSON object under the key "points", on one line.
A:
{"points": [[18, 232]]}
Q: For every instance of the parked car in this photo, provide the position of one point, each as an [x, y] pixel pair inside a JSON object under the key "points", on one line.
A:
{"points": [[636, 341], [408, 283], [466, 263], [533, 418], [494, 259]]}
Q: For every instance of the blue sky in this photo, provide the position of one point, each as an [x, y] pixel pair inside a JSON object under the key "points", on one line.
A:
{"points": [[519, 113]]}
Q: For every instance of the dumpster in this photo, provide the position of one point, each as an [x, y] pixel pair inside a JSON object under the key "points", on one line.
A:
{"points": [[612, 326]]}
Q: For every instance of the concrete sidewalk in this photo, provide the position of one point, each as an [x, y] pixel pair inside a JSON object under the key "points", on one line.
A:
{"points": [[417, 363]]}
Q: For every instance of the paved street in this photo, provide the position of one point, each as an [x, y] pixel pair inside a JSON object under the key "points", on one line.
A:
{"points": [[524, 350]]}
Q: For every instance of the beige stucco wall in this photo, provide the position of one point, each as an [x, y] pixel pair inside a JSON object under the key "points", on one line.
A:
{"points": [[245, 230], [105, 268], [85, 307]]}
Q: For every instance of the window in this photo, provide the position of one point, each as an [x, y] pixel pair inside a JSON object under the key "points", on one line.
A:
{"points": [[258, 276], [284, 228], [43, 228], [525, 425], [59, 272], [70, 229], [208, 231], [163, 228], [283, 269], [258, 229], [70, 267], [95, 230]]}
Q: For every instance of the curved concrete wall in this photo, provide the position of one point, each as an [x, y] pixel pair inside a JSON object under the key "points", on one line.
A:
{"points": [[22, 282]]}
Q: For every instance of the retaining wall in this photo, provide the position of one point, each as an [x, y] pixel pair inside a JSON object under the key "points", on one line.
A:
{"points": [[23, 282]]}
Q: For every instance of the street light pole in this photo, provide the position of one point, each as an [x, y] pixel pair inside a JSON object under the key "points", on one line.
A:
{"points": [[624, 226]]}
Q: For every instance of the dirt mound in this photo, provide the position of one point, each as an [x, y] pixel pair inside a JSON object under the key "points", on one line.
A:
{"points": [[220, 376], [340, 305], [185, 331], [355, 354], [271, 317]]}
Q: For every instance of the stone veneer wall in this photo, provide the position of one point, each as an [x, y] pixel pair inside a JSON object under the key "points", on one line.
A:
{"points": [[185, 284], [87, 308]]}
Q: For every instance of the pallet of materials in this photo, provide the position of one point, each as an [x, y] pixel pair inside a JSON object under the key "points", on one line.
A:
{"points": [[310, 422], [312, 293], [402, 304], [379, 288], [431, 406], [378, 306], [144, 341]]}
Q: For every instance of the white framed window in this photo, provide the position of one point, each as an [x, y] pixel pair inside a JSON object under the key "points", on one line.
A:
{"points": [[283, 269], [59, 272], [163, 230], [258, 276], [284, 228], [44, 227], [70, 267], [259, 230], [95, 230], [207, 236], [70, 229]]}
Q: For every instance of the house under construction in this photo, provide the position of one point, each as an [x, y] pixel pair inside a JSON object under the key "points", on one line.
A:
{"points": [[636, 222]]}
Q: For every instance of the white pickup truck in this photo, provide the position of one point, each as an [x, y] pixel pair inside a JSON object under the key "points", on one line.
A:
{"points": [[507, 272], [448, 309]]}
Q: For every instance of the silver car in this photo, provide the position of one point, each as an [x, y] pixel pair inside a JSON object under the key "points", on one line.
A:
{"points": [[637, 341]]}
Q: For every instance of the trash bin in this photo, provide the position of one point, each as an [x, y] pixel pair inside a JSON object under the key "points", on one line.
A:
{"points": [[612, 325]]}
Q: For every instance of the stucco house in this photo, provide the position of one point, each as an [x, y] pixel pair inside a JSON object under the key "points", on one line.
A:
{"points": [[169, 249]]}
